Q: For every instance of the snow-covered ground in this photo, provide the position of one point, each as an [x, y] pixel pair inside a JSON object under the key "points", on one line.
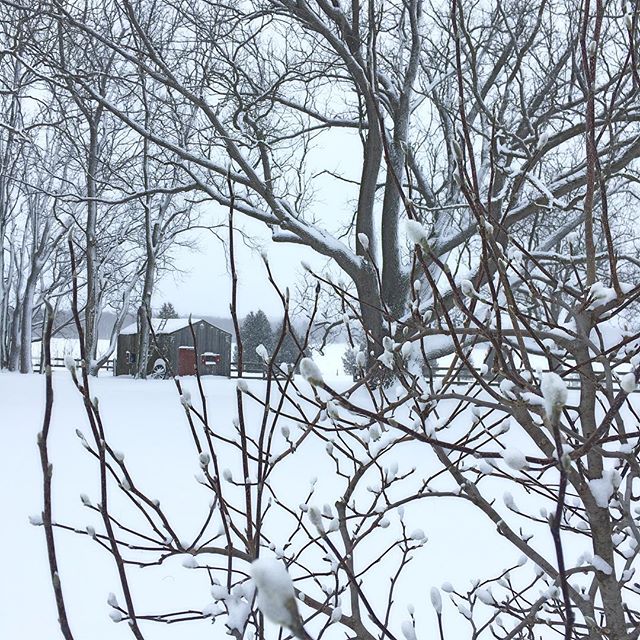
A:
{"points": [[145, 420], [61, 347], [330, 361]]}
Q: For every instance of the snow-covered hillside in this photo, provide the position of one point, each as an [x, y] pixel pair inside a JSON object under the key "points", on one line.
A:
{"points": [[145, 420]]}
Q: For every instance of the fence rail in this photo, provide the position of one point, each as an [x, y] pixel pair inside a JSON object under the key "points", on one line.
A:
{"points": [[254, 370], [260, 370], [59, 363], [465, 375], [461, 375]]}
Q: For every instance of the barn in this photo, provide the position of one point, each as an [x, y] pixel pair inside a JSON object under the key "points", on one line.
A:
{"points": [[173, 347]]}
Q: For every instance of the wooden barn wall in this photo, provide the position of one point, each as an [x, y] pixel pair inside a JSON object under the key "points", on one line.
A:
{"points": [[209, 339], [125, 343], [163, 347], [129, 342]]}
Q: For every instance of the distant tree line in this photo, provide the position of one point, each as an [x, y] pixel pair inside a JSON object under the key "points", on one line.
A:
{"points": [[256, 330]]}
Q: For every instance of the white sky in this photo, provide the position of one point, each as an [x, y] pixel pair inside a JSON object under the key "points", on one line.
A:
{"points": [[204, 285]]}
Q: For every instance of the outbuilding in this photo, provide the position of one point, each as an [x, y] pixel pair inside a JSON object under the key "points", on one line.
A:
{"points": [[171, 346]]}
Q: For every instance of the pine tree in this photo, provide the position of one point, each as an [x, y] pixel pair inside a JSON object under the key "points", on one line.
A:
{"points": [[167, 310], [255, 330], [350, 360], [289, 351]]}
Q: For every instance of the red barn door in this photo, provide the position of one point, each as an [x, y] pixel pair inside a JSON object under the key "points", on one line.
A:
{"points": [[186, 361]]}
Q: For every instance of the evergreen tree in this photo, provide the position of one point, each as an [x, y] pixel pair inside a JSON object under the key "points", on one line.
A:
{"points": [[167, 310], [349, 361], [289, 350], [255, 330]]}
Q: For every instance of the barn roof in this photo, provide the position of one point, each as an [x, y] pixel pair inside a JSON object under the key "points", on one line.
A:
{"points": [[162, 325]]}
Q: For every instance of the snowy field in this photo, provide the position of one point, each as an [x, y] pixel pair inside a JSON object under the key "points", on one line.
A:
{"points": [[145, 420]]}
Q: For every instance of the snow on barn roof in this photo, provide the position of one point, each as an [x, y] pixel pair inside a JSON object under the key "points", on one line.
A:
{"points": [[162, 325]]}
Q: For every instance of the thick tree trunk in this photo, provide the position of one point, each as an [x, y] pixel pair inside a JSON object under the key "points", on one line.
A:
{"points": [[14, 341], [38, 261], [16, 317], [144, 319], [4, 310], [7, 171], [366, 197], [394, 285], [599, 517], [91, 311], [366, 280], [144, 311], [5, 316], [371, 311], [394, 281], [26, 328]]}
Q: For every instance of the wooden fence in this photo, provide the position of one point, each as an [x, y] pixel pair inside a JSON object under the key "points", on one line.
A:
{"points": [[255, 369], [59, 363], [464, 375], [461, 375]]}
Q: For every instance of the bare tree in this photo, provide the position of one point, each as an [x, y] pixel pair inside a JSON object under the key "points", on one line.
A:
{"points": [[42, 235], [15, 80], [397, 77], [504, 137], [165, 217], [29, 228]]}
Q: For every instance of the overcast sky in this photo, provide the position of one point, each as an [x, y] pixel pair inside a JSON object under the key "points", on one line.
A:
{"points": [[204, 286]]}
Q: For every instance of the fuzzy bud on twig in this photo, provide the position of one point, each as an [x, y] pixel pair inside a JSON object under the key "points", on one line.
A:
{"points": [[417, 234], [436, 599], [276, 596], [311, 372], [554, 392], [468, 289]]}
